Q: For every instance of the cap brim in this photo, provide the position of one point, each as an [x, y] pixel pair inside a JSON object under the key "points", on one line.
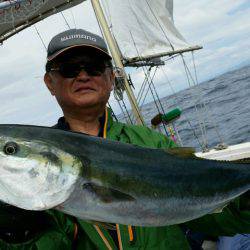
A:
{"points": [[74, 46]]}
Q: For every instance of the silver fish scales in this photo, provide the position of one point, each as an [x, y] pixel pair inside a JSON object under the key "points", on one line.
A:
{"points": [[108, 181]]}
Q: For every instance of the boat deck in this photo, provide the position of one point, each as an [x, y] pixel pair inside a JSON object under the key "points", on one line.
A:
{"points": [[231, 153]]}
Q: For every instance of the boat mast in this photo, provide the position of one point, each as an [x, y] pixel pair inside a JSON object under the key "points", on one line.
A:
{"points": [[116, 57]]}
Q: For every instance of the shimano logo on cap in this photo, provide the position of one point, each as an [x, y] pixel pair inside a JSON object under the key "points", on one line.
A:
{"points": [[75, 36]]}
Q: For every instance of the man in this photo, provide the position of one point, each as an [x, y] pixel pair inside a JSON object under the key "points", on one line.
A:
{"points": [[79, 74]]}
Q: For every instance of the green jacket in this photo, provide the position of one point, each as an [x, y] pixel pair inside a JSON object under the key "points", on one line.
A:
{"points": [[59, 231]]}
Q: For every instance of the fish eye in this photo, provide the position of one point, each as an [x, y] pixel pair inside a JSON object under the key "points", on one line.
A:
{"points": [[10, 148]]}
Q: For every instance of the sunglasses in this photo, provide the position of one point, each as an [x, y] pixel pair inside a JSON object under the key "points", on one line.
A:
{"points": [[72, 70]]}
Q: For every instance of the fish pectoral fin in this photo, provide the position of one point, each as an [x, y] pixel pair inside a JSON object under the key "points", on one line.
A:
{"points": [[106, 194], [183, 152], [219, 209]]}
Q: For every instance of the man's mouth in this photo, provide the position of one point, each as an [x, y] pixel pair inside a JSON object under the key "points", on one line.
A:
{"points": [[84, 89]]}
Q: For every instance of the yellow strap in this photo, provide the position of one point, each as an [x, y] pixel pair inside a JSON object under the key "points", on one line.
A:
{"points": [[117, 226], [130, 232], [119, 236], [105, 124], [75, 231], [103, 237]]}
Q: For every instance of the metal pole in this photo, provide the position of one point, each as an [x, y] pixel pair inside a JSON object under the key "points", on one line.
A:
{"points": [[116, 57]]}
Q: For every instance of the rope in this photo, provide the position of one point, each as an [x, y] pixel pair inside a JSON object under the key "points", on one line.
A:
{"points": [[164, 33], [117, 94], [177, 104], [198, 113], [128, 117], [121, 108], [65, 20], [132, 100], [159, 109], [73, 18], [41, 39], [149, 88], [154, 94], [143, 87], [139, 23], [195, 72], [207, 110], [107, 12], [147, 77], [112, 111]]}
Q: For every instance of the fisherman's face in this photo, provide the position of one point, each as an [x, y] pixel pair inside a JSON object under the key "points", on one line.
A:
{"points": [[86, 89]]}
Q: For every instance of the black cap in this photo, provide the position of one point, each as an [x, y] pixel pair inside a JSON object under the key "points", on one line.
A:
{"points": [[75, 38]]}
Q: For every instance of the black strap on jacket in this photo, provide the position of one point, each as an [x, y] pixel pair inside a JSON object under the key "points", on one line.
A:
{"points": [[63, 125]]}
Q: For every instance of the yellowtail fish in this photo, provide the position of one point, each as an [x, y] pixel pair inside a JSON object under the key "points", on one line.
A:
{"points": [[108, 181]]}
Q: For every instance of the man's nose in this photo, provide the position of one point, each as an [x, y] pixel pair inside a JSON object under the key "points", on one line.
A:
{"points": [[83, 75]]}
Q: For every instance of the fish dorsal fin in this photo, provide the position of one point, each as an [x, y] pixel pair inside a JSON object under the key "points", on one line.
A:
{"points": [[183, 152], [106, 194]]}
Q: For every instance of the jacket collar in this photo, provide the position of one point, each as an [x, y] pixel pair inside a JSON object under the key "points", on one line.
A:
{"points": [[106, 121]]}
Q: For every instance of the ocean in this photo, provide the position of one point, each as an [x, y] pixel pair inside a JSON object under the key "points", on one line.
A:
{"points": [[222, 104]]}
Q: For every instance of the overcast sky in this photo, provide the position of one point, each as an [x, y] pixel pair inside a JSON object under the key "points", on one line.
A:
{"points": [[222, 27]]}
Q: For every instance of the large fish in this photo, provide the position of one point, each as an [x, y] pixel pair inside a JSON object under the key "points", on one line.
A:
{"points": [[102, 180]]}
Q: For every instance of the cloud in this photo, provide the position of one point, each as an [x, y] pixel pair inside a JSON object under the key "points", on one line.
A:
{"points": [[222, 27]]}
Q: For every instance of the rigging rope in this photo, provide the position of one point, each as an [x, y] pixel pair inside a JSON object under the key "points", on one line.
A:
{"points": [[151, 87], [159, 109], [73, 18], [146, 80], [112, 111], [117, 93], [127, 117], [65, 19], [164, 33], [132, 101], [107, 12], [139, 23], [207, 110], [39, 35], [177, 103], [143, 87], [198, 113], [41, 39]]}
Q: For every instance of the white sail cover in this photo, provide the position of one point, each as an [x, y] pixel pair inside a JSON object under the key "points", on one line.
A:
{"points": [[16, 15], [143, 28]]}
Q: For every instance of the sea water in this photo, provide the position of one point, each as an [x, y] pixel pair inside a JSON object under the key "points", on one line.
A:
{"points": [[221, 106]]}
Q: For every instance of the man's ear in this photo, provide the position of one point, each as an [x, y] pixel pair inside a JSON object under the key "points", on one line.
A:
{"points": [[49, 83]]}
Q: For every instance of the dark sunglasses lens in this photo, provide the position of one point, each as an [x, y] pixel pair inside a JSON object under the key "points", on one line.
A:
{"points": [[73, 70], [69, 70], [95, 69]]}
